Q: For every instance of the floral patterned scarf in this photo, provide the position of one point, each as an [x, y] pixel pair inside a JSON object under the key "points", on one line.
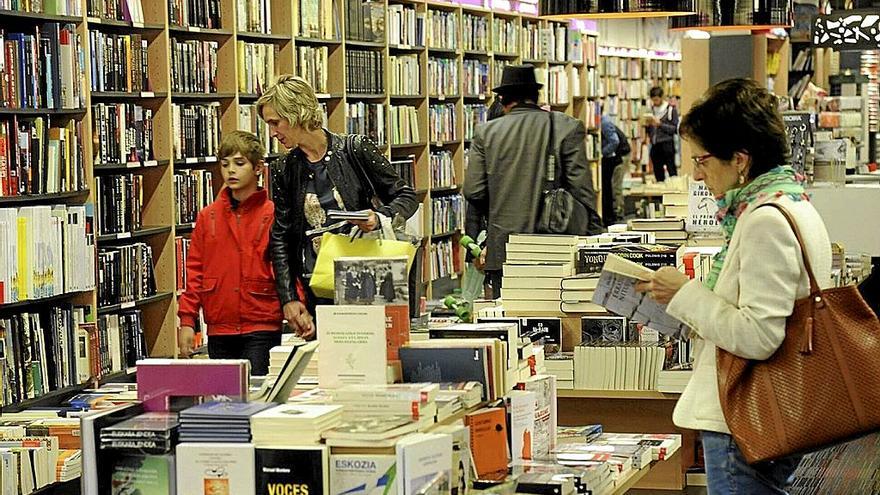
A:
{"points": [[770, 185]]}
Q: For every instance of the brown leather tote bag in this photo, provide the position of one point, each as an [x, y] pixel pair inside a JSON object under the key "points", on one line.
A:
{"points": [[821, 387]]}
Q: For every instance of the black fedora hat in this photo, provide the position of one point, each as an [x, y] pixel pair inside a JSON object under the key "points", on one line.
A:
{"points": [[517, 76]]}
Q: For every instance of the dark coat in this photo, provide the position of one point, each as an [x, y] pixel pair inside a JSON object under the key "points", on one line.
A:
{"points": [[289, 188], [505, 174]]}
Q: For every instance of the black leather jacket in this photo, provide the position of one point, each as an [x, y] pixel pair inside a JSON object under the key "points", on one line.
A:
{"points": [[288, 183]]}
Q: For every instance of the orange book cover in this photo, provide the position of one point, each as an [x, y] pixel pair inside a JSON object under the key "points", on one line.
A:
{"points": [[396, 329], [488, 429]]}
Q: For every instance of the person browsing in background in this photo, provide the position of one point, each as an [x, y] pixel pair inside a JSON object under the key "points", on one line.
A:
{"points": [[740, 151], [228, 269], [322, 171], [614, 148], [505, 176], [662, 128]]}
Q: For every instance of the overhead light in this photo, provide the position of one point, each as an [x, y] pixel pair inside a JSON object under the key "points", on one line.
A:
{"points": [[736, 15], [614, 9]]}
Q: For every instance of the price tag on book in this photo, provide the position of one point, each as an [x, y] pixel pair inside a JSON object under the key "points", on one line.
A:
{"points": [[127, 305], [123, 235], [147, 94]]}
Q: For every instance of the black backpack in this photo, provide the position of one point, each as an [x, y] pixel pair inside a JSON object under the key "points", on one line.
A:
{"points": [[623, 147]]}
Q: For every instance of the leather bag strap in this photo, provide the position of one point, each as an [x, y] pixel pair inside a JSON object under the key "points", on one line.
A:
{"points": [[550, 172], [814, 286]]}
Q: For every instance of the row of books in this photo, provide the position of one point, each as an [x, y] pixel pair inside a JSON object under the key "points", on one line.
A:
{"points": [[443, 119], [120, 10], [367, 119], [559, 44], [119, 62], [42, 352], [256, 66], [447, 213], [311, 63], [442, 169], [593, 118], [254, 16], [194, 66], [365, 20], [193, 190], [120, 202], [195, 129], [443, 29], [475, 32], [474, 115], [404, 124], [445, 259], [476, 77], [124, 132], [195, 13], [443, 76], [617, 367], [318, 19], [121, 342], [405, 26], [181, 253], [65, 7], [365, 71], [248, 120], [594, 83], [42, 69], [498, 68], [505, 36], [404, 75], [44, 248], [39, 157], [562, 84], [126, 274], [405, 167], [531, 48]]}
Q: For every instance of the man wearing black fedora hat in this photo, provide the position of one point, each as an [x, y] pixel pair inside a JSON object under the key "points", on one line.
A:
{"points": [[507, 160]]}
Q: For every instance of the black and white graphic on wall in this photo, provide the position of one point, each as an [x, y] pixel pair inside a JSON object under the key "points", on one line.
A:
{"points": [[371, 281], [849, 29], [603, 329]]}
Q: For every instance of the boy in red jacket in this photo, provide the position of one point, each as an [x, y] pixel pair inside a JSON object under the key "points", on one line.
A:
{"points": [[229, 272]]}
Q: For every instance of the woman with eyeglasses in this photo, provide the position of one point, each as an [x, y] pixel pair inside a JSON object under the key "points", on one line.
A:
{"points": [[740, 152]]}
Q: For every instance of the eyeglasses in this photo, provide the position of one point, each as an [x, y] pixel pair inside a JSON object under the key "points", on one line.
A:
{"points": [[699, 160]]}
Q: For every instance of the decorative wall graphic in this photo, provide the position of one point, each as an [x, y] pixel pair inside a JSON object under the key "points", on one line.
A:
{"points": [[848, 30]]}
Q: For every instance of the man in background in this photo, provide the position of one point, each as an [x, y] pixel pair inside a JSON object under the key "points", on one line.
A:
{"points": [[506, 166], [662, 128]]}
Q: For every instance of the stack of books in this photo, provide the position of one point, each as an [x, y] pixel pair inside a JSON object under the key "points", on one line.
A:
{"points": [[294, 424], [150, 433], [533, 272], [577, 294], [621, 366], [666, 230], [561, 365], [371, 431], [226, 422], [68, 466], [675, 204], [415, 400]]}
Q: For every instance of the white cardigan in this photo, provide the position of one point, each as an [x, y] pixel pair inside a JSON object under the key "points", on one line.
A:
{"points": [[762, 277]]}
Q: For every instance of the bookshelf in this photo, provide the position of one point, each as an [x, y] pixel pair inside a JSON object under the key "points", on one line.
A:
{"points": [[152, 106]]}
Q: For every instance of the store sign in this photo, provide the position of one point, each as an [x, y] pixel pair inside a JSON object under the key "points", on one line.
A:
{"points": [[848, 30]]}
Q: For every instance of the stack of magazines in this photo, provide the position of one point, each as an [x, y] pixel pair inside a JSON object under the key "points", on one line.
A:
{"points": [[219, 421]]}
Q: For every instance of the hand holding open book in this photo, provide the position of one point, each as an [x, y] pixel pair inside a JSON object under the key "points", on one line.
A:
{"points": [[616, 291]]}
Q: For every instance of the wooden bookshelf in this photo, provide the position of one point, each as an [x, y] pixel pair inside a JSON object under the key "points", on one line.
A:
{"points": [[285, 35]]}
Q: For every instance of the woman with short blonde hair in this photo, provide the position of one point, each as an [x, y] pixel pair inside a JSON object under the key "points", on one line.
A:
{"points": [[322, 171]]}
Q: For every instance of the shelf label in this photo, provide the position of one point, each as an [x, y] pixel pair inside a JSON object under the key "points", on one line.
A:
{"points": [[123, 235], [127, 305], [406, 47], [192, 160], [138, 24], [439, 143], [482, 97], [151, 163], [132, 164], [210, 159], [322, 95], [491, 54], [147, 94], [94, 20], [441, 97], [195, 29]]}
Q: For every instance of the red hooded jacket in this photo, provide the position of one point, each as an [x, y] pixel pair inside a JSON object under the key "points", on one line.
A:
{"points": [[228, 268]]}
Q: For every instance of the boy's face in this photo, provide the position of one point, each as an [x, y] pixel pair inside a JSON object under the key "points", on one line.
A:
{"points": [[238, 172]]}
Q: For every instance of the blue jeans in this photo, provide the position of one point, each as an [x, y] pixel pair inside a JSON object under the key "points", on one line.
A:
{"points": [[728, 473]]}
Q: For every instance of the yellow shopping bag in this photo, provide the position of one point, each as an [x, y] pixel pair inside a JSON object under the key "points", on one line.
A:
{"points": [[342, 246]]}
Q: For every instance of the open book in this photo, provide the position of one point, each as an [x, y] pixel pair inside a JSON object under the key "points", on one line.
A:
{"points": [[616, 291]]}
